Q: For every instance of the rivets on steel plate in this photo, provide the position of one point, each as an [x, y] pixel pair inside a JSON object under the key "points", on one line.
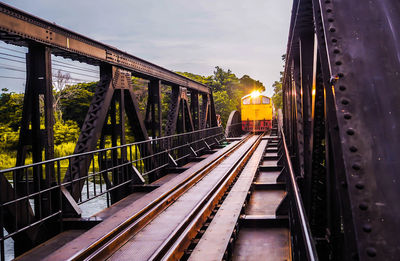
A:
{"points": [[360, 186], [342, 88], [338, 63], [353, 149], [356, 166], [336, 51], [363, 206], [367, 228], [371, 251], [350, 132], [345, 101], [347, 116], [332, 29], [334, 40]]}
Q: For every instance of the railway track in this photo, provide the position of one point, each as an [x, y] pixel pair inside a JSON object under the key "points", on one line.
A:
{"points": [[199, 219]]}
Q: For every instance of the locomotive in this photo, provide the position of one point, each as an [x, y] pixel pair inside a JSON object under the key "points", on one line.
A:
{"points": [[257, 112]]}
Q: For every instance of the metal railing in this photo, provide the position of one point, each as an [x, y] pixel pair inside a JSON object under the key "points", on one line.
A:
{"points": [[302, 240], [35, 193]]}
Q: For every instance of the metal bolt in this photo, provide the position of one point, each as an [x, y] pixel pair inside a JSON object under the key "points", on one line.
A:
{"points": [[363, 206], [353, 149], [371, 251], [360, 186], [367, 228], [345, 101], [350, 132]]}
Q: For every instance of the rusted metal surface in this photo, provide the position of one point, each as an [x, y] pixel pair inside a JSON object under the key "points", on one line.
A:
{"points": [[268, 244], [264, 202]]}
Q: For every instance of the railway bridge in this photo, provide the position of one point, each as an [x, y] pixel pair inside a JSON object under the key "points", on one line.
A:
{"points": [[322, 184]]}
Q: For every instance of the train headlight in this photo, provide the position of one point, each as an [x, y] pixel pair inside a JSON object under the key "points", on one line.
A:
{"points": [[255, 94]]}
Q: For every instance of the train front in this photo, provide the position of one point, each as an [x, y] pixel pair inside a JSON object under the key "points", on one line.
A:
{"points": [[257, 112]]}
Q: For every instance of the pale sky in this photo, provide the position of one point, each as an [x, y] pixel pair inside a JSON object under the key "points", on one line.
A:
{"points": [[247, 37]]}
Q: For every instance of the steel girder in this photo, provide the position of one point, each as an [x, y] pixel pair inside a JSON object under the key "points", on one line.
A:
{"points": [[115, 86], [344, 126], [20, 28]]}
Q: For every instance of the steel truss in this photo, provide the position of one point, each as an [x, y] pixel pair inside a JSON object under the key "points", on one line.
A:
{"points": [[340, 100], [113, 102]]}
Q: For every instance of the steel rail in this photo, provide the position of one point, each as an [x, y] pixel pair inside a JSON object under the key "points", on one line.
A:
{"points": [[305, 228], [173, 248], [101, 248], [20, 28]]}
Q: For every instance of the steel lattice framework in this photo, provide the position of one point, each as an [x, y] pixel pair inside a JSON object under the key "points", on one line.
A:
{"points": [[113, 102], [341, 119]]}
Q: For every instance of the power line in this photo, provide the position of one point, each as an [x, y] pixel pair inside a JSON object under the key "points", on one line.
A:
{"points": [[11, 77], [82, 74], [73, 67], [12, 69], [16, 56], [8, 59], [9, 49], [70, 64]]}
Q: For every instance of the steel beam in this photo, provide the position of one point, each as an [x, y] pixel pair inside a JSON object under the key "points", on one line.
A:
{"points": [[18, 27]]}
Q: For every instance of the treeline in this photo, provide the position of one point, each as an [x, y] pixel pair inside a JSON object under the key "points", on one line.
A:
{"points": [[71, 102]]}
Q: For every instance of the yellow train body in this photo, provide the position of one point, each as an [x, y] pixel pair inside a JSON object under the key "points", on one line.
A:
{"points": [[257, 112]]}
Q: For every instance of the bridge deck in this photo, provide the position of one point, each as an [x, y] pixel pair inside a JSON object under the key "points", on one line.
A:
{"points": [[115, 215]]}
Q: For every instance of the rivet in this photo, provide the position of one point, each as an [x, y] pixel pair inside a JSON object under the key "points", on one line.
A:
{"points": [[334, 40], [342, 88], [345, 101], [356, 166], [360, 186], [347, 116], [371, 251], [327, 1], [353, 149], [363, 206], [332, 29], [336, 51], [350, 132], [338, 63], [328, 10], [330, 20], [367, 228]]}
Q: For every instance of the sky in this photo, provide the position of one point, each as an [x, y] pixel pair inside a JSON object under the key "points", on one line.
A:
{"points": [[248, 37]]}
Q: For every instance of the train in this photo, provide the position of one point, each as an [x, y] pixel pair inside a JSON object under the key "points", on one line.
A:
{"points": [[257, 112]]}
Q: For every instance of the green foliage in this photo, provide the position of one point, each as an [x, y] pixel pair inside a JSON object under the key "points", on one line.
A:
{"points": [[227, 88], [74, 108], [66, 132], [8, 138], [277, 85], [277, 97], [11, 109]]}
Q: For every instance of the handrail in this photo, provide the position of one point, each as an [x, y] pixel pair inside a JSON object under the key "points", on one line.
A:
{"points": [[305, 228], [102, 150]]}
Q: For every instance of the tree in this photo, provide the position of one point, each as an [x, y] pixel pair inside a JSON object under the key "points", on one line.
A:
{"points": [[11, 109], [76, 106], [61, 91]]}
